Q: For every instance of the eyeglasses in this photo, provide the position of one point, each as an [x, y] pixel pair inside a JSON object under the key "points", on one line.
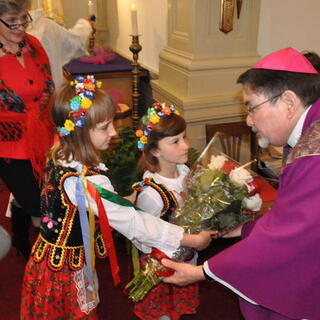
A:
{"points": [[18, 25], [251, 110]]}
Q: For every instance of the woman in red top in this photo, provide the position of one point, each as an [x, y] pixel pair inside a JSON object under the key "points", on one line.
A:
{"points": [[25, 130]]}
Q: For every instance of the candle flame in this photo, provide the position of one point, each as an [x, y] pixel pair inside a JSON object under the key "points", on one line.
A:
{"points": [[133, 7]]}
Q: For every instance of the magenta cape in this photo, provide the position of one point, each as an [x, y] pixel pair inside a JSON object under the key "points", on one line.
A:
{"points": [[277, 263]]}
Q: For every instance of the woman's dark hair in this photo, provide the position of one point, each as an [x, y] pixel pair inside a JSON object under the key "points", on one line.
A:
{"points": [[273, 82], [169, 126], [14, 6]]}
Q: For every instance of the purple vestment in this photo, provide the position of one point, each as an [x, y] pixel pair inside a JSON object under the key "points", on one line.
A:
{"points": [[277, 263]]}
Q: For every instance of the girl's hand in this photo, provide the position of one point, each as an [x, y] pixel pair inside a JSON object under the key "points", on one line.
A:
{"points": [[204, 239], [198, 241], [185, 273]]}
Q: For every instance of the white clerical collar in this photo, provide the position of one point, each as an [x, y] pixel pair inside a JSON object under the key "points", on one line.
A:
{"points": [[296, 132]]}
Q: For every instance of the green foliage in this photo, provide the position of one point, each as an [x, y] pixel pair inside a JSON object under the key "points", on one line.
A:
{"points": [[193, 155], [122, 162]]}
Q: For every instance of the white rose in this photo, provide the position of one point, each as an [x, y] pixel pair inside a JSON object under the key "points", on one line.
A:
{"points": [[240, 176], [252, 203], [217, 162]]}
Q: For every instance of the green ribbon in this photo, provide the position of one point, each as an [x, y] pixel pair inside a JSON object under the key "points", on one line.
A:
{"points": [[114, 197]]}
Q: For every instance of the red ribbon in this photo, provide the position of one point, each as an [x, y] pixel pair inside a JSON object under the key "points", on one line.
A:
{"points": [[106, 231], [166, 272]]}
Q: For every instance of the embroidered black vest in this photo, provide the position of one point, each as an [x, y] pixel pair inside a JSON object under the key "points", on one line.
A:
{"points": [[170, 202], [60, 238]]}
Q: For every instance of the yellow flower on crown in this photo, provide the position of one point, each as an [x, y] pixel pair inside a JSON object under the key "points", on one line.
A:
{"points": [[154, 118], [144, 139], [69, 125], [86, 103]]}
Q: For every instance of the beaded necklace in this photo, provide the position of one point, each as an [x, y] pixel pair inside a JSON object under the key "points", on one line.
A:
{"points": [[21, 45]]}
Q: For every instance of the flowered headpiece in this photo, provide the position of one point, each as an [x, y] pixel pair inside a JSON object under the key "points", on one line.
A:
{"points": [[84, 89], [154, 114]]}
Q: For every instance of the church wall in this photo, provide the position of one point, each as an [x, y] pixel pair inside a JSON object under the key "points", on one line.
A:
{"points": [[282, 23], [73, 10], [288, 23], [152, 25]]}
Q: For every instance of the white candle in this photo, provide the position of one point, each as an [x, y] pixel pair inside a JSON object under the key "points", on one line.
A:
{"points": [[90, 7], [134, 20]]}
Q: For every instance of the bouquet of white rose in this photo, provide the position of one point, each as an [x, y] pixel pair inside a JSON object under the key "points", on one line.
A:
{"points": [[222, 194]]}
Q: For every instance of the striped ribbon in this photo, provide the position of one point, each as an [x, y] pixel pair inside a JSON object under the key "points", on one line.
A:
{"points": [[83, 189], [106, 230], [85, 228]]}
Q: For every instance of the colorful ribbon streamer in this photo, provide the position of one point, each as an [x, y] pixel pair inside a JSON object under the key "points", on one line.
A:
{"points": [[81, 201], [106, 230]]}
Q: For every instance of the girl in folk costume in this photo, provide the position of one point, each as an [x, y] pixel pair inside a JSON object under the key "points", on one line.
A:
{"points": [[165, 152], [78, 207]]}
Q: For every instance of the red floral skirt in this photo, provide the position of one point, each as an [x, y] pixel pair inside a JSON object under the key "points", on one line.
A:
{"points": [[50, 295], [168, 299]]}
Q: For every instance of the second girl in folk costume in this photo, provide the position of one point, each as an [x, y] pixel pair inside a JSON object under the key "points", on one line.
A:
{"points": [[164, 154], [60, 281]]}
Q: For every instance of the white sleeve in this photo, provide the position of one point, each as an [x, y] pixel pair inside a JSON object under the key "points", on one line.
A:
{"points": [[133, 224], [149, 200]]}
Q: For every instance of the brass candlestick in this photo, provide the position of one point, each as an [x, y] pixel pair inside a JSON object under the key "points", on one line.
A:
{"points": [[135, 48], [92, 38]]}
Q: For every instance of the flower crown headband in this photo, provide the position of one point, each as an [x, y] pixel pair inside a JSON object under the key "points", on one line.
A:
{"points": [[155, 113], [84, 88]]}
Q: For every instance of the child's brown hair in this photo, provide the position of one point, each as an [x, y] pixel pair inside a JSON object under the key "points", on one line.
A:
{"points": [[77, 145], [169, 126]]}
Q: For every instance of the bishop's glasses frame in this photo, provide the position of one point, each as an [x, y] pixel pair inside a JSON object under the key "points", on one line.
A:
{"points": [[251, 110]]}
